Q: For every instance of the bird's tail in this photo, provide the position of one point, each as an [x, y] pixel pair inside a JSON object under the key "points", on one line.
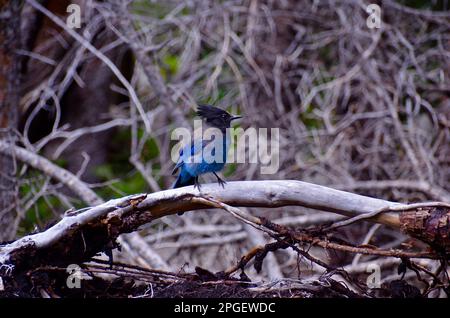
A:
{"points": [[183, 180]]}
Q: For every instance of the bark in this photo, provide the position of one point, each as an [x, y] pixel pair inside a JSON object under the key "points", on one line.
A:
{"points": [[9, 101]]}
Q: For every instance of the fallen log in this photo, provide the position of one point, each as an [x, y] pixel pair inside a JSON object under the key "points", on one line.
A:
{"points": [[79, 236]]}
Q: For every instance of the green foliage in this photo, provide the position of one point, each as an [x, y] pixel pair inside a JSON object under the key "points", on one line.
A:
{"points": [[134, 183], [60, 162], [120, 184], [41, 212], [170, 66], [129, 184], [149, 8], [229, 169], [104, 172], [172, 62], [151, 150], [119, 155], [118, 167], [309, 119], [45, 208]]}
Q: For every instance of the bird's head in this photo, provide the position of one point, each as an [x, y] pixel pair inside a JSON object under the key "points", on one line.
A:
{"points": [[215, 117]]}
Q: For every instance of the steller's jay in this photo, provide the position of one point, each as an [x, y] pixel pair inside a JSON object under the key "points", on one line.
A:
{"points": [[199, 157]]}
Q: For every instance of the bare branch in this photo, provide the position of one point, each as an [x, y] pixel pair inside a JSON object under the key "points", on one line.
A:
{"points": [[110, 219]]}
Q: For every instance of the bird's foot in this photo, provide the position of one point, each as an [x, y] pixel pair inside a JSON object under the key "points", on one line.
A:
{"points": [[220, 181], [197, 184]]}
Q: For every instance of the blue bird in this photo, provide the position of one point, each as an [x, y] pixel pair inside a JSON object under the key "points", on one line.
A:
{"points": [[205, 156]]}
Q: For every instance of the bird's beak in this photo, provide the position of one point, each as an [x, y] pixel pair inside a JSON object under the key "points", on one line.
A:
{"points": [[235, 117]]}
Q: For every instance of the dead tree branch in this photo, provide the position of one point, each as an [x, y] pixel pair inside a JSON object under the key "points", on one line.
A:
{"points": [[141, 248], [80, 236]]}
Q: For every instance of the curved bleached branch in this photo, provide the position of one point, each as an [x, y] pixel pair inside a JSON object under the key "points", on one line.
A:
{"points": [[79, 236]]}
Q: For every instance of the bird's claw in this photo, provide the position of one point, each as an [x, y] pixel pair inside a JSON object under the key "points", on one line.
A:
{"points": [[197, 185], [221, 183]]}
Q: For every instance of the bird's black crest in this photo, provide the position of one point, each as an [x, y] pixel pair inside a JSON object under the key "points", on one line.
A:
{"points": [[209, 112]]}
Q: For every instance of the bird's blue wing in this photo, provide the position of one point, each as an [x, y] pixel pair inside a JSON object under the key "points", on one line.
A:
{"points": [[178, 165], [186, 153], [192, 154], [180, 161]]}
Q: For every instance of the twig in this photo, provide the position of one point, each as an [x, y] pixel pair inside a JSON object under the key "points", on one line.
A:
{"points": [[98, 54]]}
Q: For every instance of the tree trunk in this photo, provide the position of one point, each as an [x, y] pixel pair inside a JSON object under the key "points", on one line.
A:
{"points": [[9, 101]]}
